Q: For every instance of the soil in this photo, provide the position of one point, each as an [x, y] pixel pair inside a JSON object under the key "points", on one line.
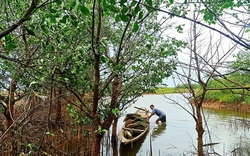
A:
{"points": [[219, 105]]}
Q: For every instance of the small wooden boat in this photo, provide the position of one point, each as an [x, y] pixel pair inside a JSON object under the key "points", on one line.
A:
{"points": [[135, 126]]}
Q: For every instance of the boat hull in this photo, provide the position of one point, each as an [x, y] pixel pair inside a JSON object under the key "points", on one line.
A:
{"points": [[125, 134]]}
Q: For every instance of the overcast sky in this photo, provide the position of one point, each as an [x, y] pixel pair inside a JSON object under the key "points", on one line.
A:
{"points": [[205, 38]]}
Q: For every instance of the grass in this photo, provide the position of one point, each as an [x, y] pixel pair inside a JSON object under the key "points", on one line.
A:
{"points": [[225, 96], [170, 90]]}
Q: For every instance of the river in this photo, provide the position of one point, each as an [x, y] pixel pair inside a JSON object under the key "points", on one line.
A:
{"points": [[228, 130]]}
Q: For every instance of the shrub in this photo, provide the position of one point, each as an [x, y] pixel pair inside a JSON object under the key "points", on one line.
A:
{"points": [[230, 98], [247, 100], [213, 95]]}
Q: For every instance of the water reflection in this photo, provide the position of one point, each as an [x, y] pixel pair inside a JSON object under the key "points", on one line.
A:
{"points": [[158, 130], [228, 128], [132, 149]]}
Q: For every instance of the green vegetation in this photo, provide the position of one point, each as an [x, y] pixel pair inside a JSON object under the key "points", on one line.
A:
{"points": [[67, 50], [229, 88], [227, 95], [216, 90], [74, 49], [224, 96], [169, 90]]}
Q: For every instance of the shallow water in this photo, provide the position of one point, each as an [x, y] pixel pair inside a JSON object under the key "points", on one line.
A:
{"points": [[228, 129]]}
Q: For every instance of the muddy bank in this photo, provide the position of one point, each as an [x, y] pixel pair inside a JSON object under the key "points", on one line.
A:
{"points": [[229, 106]]}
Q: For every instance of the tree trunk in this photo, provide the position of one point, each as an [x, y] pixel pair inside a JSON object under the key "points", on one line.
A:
{"points": [[8, 119], [95, 150], [114, 129], [58, 105], [10, 105], [115, 147], [200, 131], [96, 145]]}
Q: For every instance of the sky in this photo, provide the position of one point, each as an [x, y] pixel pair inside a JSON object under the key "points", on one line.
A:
{"points": [[211, 44]]}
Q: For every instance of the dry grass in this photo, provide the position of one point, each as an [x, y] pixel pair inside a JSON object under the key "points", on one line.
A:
{"points": [[219, 105], [34, 132]]}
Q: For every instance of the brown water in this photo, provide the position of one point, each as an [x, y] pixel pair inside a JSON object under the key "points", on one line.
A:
{"points": [[228, 129]]}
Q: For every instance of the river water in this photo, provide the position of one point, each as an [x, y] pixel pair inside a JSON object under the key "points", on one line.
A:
{"points": [[228, 130]]}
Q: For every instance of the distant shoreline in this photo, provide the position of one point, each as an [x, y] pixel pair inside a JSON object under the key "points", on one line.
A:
{"points": [[217, 104], [229, 106]]}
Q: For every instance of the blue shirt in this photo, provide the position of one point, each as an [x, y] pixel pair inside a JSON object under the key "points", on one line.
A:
{"points": [[158, 112]]}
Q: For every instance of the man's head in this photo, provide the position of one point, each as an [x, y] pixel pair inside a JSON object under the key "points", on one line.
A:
{"points": [[152, 106]]}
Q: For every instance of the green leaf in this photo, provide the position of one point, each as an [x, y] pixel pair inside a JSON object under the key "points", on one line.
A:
{"points": [[10, 45], [44, 28], [33, 82], [30, 146], [133, 4], [73, 17], [31, 32], [59, 2], [52, 18], [71, 5], [64, 19], [52, 10], [124, 18], [122, 2], [136, 10], [171, 1], [117, 18], [50, 133], [112, 2], [140, 15], [100, 130], [113, 8], [74, 22], [179, 29], [124, 10], [103, 59], [104, 5], [135, 27], [7, 38], [150, 3], [116, 111], [84, 10]]}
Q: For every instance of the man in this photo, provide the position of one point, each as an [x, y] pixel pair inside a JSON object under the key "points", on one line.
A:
{"points": [[162, 115]]}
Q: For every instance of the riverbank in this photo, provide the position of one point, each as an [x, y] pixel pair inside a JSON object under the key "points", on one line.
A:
{"points": [[229, 106], [218, 105]]}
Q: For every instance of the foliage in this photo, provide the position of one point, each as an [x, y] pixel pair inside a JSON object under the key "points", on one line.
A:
{"points": [[226, 95], [100, 130], [230, 98], [1, 109], [170, 90], [240, 68], [82, 47], [247, 100], [214, 8], [164, 90], [31, 148], [79, 117], [182, 86], [57, 46], [50, 134]]}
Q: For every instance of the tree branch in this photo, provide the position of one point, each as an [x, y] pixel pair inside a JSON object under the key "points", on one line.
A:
{"points": [[24, 18], [27, 14], [244, 44]]}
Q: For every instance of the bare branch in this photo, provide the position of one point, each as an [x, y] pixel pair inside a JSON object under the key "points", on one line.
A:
{"points": [[240, 42]]}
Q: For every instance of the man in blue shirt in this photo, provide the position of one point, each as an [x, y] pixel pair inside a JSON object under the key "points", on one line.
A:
{"points": [[162, 115]]}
